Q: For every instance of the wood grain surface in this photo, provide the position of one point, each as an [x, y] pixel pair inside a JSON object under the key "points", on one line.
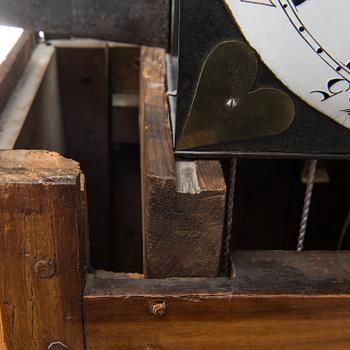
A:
{"points": [[41, 250], [183, 202], [122, 312], [83, 79]]}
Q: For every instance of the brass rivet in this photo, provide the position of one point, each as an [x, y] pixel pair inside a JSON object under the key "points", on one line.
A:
{"points": [[45, 268], [158, 308], [231, 104]]}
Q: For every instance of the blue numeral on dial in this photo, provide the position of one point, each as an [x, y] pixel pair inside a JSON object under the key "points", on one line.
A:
{"points": [[298, 2]]}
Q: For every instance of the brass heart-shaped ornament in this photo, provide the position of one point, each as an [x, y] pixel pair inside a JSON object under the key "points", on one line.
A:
{"points": [[226, 109]]}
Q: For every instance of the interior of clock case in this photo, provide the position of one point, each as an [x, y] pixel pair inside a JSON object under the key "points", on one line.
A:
{"points": [[269, 199]]}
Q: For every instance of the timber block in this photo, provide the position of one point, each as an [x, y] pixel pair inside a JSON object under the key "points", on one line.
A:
{"points": [[183, 202]]}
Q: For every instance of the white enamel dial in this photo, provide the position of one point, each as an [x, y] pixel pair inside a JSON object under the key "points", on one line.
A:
{"points": [[306, 45]]}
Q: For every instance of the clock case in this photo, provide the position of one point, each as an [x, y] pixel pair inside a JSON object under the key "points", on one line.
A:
{"points": [[199, 26]]}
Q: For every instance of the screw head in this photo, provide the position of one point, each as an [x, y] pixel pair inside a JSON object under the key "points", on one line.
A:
{"points": [[231, 104], [158, 309], [45, 268]]}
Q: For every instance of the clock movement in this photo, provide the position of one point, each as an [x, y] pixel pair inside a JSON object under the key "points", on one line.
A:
{"points": [[260, 78]]}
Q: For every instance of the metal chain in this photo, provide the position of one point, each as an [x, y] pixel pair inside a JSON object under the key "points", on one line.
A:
{"points": [[306, 207], [229, 215]]}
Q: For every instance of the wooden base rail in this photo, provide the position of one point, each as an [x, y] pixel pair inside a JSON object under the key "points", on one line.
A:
{"points": [[276, 301]]}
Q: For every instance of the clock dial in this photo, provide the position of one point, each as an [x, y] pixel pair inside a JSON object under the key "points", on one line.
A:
{"points": [[305, 44]]}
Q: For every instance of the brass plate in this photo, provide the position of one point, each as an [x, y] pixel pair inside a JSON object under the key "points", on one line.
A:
{"points": [[225, 109]]}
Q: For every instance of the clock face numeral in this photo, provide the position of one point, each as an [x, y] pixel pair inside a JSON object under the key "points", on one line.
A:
{"points": [[298, 2], [334, 87], [304, 43], [260, 2]]}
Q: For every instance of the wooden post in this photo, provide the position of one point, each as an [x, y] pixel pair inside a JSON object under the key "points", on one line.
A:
{"points": [[41, 250], [183, 201]]}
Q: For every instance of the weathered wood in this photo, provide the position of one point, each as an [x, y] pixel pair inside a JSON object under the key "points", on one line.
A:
{"points": [[124, 65], [125, 126], [222, 313], [83, 78], [311, 272], [183, 203], [13, 66], [2, 340], [32, 116], [41, 250], [140, 22]]}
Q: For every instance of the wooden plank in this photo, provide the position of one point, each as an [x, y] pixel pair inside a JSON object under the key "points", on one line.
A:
{"points": [[83, 78], [125, 126], [32, 116], [311, 272], [41, 250], [13, 66], [124, 64], [219, 313], [2, 339], [183, 203], [139, 22]]}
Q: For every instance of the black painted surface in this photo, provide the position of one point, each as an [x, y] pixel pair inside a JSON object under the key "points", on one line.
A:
{"points": [[144, 22], [205, 24]]}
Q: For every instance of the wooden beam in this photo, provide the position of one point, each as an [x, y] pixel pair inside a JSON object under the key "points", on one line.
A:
{"points": [[221, 313], [124, 76], [32, 115], [41, 250], [124, 64], [283, 272], [183, 202], [13, 66], [140, 22], [125, 126], [83, 80]]}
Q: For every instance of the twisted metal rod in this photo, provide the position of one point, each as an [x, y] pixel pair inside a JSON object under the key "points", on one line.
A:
{"points": [[229, 215], [306, 207], [344, 231]]}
